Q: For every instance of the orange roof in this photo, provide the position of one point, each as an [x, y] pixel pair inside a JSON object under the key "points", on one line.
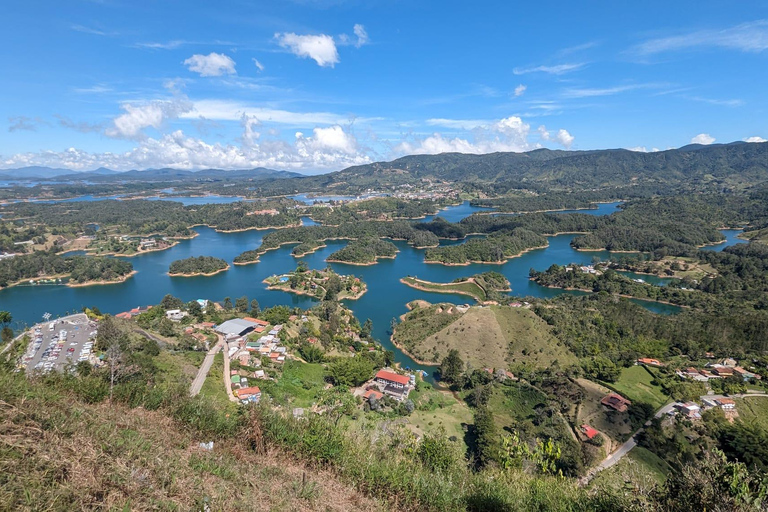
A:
{"points": [[725, 401], [373, 393], [392, 377], [253, 390], [256, 321], [207, 324], [588, 431], [125, 315]]}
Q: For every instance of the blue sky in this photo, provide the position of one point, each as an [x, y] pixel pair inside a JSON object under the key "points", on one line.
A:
{"points": [[320, 85]]}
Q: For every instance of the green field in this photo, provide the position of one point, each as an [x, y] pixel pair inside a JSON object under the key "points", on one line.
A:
{"points": [[297, 386], [754, 409], [485, 336], [635, 384], [436, 409], [213, 387], [639, 469]]}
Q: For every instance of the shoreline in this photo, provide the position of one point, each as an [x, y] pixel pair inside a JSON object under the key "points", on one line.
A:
{"points": [[274, 287], [122, 279], [506, 260], [417, 286], [623, 295], [409, 354], [360, 264], [199, 274]]}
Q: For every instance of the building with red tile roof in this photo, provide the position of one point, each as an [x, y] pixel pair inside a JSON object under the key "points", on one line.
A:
{"points": [[588, 431], [390, 378], [616, 401]]}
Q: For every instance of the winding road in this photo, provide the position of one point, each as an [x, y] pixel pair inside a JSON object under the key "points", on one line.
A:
{"points": [[625, 448]]}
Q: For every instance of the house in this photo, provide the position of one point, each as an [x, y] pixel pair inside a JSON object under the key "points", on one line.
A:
{"points": [[689, 410], [124, 315], [388, 378], [207, 325], [729, 361], [250, 394], [588, 431], [616, 401], [372, 393], [175, 315], [646, 361], [726, 404], [722, 371], [256, 321], [259, 374], [745, 374]]}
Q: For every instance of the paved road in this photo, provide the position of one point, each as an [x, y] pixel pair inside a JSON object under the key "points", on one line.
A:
{"points": [[197, 384]]}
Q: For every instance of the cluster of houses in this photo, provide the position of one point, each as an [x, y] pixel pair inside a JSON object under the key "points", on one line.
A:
{"points": [[269, 344], [244, 392], [388, 382], [692, 410], [127, 315], [726, 368]]}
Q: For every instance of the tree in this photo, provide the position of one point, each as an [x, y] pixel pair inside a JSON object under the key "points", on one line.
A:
{"points": [[333, 287], [350, 371], [227, 303], [255, 307], [5, 318], [171, 302], [6, 334], [337, 402], [165, 327], [367, 328], [241, 304], [452, 367], [107, 333], [195, 309], [302, 267]]}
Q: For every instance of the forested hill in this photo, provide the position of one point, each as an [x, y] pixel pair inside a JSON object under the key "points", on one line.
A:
{"points": [[725, 164]]}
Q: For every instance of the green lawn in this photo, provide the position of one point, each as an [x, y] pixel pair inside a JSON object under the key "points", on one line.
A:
{"points": [[640, 468], [174, 367], [754, 409], [297, 386], [465, 288], [635, 384]]}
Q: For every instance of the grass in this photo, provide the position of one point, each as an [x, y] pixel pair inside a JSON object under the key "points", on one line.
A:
{"points": [[635, 384], [213, 387], [178, 366], [613, 425], [297, 386], [58, 453], [641, 469], [754, 409], [492, 336], [436, 409]]}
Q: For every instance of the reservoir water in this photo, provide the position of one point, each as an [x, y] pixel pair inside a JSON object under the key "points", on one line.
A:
{"points": [[386, 297]]}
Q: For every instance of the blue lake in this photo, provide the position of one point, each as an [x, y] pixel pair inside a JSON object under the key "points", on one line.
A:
{"points": [[386, 297]]}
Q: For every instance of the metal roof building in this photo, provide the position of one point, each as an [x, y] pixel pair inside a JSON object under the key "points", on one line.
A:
{"points": [[235, 327]]}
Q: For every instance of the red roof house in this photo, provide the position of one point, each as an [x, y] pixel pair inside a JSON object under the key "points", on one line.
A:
{"points": [[616, 401], [390, 378], [588, 431]]}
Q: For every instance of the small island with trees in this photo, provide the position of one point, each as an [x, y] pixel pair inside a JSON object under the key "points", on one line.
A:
{"points": [[47, 267], [488, 287], [197, 266], [364, 251], [322, 284]]}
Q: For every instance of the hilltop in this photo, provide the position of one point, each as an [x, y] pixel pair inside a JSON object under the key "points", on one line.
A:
{"points": [[485, 336]]}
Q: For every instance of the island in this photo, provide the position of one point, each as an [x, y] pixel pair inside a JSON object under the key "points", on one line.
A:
{"points": [[364, 251], [321, 284], [197, 266], [496, 248], [487, 287], [47, 267]]}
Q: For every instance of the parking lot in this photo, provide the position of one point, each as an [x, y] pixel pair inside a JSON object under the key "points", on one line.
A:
{"points": [[60, 342]]}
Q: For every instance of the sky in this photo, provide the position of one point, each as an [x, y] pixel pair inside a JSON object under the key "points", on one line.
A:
{"points": [[320, 85]]}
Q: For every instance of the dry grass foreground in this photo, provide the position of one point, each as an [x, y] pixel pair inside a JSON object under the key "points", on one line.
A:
{"points": [[74, 456], [496, 337]]}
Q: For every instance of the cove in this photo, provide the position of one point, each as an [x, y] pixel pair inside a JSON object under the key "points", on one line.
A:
{"points": [[386, 297]]}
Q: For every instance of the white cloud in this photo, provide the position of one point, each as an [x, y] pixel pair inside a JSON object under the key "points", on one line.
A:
{"points": [[458, 124], [326, 149], [362, 35], [137, 117], [25, 123], [559, 69], [520, 90], [213, 64], [508, 134], [718, 102], [755, 139], [258, 65], [606, 91], [227, 110], [746, 37], [320, 48], [562, 137], [703, 138]]}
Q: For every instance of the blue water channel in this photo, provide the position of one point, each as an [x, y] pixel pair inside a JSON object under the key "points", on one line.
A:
{"points": [[386, 297]]}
